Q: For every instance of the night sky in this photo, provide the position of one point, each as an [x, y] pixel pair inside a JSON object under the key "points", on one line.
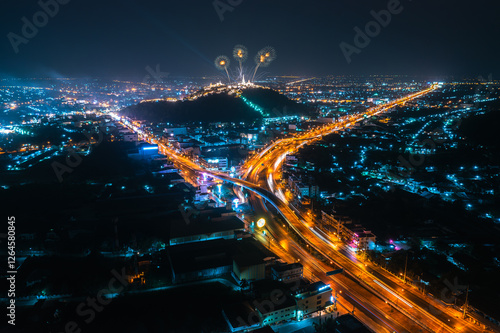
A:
{"points": [[120, 38]]}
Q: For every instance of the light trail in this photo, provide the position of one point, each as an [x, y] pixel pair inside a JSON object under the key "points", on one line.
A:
{"points": [[393, 293], [288, 211]]}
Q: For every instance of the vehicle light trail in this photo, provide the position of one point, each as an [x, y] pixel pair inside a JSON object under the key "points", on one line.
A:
{"points": [[430, 322], [393, 293]]}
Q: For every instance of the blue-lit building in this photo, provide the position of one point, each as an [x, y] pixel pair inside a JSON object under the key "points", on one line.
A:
{"points": [[273, 302], [312, 298], [144, 151], [219, 163]]}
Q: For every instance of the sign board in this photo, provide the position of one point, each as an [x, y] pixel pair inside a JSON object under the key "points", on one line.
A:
{"points": [[337, 271]]}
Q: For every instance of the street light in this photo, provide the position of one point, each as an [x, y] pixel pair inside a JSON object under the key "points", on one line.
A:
{"points": [[261, 222]]}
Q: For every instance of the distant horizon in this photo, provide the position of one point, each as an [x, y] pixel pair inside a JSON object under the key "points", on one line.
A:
{"points": [[478, 76]]}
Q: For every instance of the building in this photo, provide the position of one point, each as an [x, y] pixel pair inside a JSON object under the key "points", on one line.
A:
{"points": [[208, 141], [214, 163], [173, 177], [203, 229], [329, 222], [251, 260], [201, 194], [354, 234], [273, 302], [288, 272], [365, 240], [297, 188], [240, 317], [144, 151], [198, 261], [358, 237], [130, 137], [326, 120], [278, 312], [301, 190], [250, 136], [313, 297], [174, 131], [240, 259], [314, 191]]}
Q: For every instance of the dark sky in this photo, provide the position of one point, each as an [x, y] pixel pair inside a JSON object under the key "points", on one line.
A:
{"points": [[119, 38]]}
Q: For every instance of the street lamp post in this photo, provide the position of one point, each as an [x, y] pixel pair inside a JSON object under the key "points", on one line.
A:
{"points": [[466, 302]]}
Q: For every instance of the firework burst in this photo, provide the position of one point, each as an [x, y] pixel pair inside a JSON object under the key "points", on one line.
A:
{"points": [[240, 53], [222, 63], [264, 58]]}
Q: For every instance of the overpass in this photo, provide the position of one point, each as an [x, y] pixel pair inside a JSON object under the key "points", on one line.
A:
{"points": [[294, 218]]}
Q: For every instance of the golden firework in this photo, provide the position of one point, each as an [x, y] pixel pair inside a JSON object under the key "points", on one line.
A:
{"points": [[240, 53], [263, 58], [222, 63]]}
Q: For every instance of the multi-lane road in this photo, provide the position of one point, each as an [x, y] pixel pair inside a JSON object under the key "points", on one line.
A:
{"points": [[381, 300], [403, 307]]}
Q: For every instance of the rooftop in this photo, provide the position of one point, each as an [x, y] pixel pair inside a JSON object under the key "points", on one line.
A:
{"points": [[283, 268], [194, 257], [200, 226], [313, 288], [240, 315]]}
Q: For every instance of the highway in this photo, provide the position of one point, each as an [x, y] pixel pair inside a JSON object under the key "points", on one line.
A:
{"points": [[381, 300], [282, 244], [431, 314], [379, 289]]}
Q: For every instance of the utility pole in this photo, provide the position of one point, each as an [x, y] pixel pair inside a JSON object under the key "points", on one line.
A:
{"points": [[339, 224], [466, 301], [406, 263]]}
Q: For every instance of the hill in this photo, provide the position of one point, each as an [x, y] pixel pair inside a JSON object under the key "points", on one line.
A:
{"points": [[274, 103], [218, 107]]}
